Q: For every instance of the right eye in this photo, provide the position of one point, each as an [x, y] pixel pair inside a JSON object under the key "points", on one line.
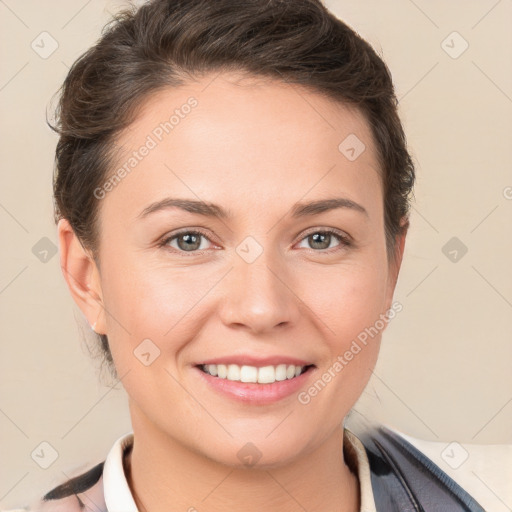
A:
{"points": [[186, 241]]}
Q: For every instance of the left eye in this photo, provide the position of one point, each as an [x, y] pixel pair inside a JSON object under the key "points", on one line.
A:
{"points": [[322, 239]]}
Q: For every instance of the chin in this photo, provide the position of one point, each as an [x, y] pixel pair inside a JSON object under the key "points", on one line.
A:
{"points": [[261, 452]]}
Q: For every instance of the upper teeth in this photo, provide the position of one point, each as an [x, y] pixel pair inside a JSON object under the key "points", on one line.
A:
{"points": [[262, 375]]}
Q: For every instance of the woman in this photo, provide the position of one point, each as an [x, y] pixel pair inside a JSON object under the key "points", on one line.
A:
{"points": [[232, 197]]}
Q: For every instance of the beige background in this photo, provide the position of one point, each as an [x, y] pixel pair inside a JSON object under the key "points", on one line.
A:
{"points": [[444, 369]]}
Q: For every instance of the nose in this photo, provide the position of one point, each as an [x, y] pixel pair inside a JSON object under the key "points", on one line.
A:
{"points": [[258, 296]]}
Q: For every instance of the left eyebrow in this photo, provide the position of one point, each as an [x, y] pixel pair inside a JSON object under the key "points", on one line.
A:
{"points": [[324, 205]]}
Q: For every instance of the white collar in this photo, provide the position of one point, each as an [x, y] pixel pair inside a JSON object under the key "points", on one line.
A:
{"points": [[354, 450], [118, 496]]}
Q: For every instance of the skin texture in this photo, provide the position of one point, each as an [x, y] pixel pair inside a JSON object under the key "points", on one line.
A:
{"points": [[255, 147]]}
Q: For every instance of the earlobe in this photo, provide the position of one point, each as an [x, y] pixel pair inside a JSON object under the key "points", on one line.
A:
{"points": [[82, 276]]}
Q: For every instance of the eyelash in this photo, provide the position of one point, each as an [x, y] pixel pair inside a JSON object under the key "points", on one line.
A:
{"points": [[344, 240]]}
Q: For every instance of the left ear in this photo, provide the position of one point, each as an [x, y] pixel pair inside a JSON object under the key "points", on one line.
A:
{"points": [[396, 262]]}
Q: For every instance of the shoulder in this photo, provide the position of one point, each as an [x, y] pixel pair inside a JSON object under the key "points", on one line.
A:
{"points": [[82, 493], [404, 479], [86, 492]]}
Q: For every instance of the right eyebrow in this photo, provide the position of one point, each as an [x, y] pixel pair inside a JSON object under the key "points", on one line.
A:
{"points": [[188, 205]]}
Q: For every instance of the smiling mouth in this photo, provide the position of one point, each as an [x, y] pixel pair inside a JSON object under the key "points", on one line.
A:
{"points": [[260, 375]]}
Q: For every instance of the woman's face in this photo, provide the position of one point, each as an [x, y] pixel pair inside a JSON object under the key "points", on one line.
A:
{"points": [[258, 285]]}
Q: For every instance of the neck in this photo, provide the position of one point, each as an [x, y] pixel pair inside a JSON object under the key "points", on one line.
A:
{"points": [[164, 475]]}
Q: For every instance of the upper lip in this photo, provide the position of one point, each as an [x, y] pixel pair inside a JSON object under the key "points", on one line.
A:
{"points": [[248, 360]]}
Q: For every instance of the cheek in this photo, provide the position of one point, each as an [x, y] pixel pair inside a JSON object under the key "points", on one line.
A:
{"points": [[348, 306], [346, 300], [142, 292], [148, 300]]}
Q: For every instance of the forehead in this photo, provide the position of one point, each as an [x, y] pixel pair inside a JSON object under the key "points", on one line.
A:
{"points": [[229, 137]]}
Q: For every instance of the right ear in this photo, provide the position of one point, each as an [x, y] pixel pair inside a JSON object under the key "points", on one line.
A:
{"points": [[82, 276]]}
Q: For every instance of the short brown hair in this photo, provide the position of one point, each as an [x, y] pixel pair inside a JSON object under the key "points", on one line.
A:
{"points": [[164, 43]]}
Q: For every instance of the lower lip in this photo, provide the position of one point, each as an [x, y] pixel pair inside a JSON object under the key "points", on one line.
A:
{"points": [[256, 393]]}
